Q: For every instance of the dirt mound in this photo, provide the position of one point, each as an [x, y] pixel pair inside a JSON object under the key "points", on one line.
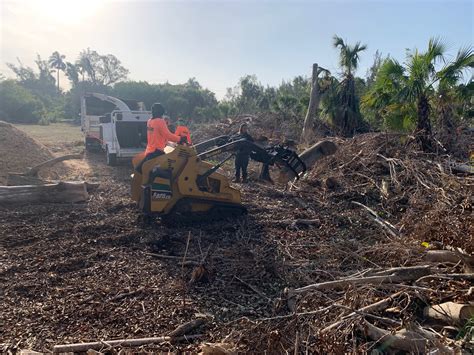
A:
{"points": [[415, 191], [19, 152]]}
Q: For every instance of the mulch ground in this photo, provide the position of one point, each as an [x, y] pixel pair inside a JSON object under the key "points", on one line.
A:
{"points": [[86, 272]]}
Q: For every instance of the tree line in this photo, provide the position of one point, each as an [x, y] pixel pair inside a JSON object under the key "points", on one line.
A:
{"points": [[426, 90]]}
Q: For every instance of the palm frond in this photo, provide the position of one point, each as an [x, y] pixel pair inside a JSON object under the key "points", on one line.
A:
{"points": [[453, 71], [436, 50], [338, 41]]}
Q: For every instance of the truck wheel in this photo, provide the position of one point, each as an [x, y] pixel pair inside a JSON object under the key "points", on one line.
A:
{"points": [[111, 158]]}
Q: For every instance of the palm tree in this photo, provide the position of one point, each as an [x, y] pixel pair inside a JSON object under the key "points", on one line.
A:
{"points": [[348, 55], [342, 103], [417, 82], [56, 61], [72, 72]]}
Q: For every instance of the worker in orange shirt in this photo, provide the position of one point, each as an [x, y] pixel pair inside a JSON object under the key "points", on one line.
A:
{"points": [[158, 135], [183, 131]]}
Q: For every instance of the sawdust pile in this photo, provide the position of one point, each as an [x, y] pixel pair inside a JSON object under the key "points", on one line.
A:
{"points": [[18, 152]]}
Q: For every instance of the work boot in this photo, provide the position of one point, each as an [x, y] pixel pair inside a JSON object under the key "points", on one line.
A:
{"points": [[244, 180], [236, 179]]}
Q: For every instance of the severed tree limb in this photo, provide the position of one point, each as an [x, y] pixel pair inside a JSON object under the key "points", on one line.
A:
{"points": [[34, 170], [83, 347], [441, 256], [62, 192], [126, 294], [391, 322], [393, 275], [469, 276], [254, 289], [377, 306], [447, 256], [388, 226], [177, 258], [186, 328], [417, 340], [450, 312]]}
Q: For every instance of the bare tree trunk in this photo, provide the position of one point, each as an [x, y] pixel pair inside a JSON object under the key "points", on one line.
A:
{"points": [[313, 106], [423, 127]]}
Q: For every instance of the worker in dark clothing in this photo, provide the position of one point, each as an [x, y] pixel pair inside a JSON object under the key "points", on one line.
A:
{"points": [[242, 156]]}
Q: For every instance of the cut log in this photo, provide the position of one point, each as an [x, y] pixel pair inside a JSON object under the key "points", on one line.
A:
{"points": [[15, 179], [319, 150], [62, 192], [34, 170], [442, 256], [450, 312], [402, 340], [407, 340], [83, 347], [393, 275], [310, 156]]}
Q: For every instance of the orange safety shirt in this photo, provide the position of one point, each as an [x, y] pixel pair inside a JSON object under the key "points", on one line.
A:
{"points": [[158, 135], [183, 131]]}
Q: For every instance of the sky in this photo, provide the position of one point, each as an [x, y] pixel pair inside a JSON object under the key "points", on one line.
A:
{"points": [[218, 42]]}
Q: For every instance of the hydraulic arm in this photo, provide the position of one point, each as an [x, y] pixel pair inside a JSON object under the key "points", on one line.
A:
{"points": [[279, 155]]}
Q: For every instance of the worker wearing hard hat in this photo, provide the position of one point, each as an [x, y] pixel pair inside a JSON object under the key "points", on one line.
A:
{"points": [[158, 135]]}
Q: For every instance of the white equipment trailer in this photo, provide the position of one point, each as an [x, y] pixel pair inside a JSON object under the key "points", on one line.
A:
{"points": [[115, 126]]}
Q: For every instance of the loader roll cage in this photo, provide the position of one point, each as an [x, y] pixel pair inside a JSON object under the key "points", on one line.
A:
{"points": [[279, 154]]}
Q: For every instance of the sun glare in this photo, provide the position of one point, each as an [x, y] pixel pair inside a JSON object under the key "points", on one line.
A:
{"points": [[66, 11]]}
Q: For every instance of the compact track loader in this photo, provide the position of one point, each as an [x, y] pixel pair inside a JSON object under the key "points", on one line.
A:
{"points": [[183, 182]]}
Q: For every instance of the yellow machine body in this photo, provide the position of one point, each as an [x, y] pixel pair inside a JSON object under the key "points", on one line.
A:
{"points": [[169, 183]]}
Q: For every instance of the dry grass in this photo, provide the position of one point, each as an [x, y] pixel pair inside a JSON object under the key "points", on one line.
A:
{"points": [[55, 134]]}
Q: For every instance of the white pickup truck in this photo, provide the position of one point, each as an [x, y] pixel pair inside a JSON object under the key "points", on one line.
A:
{"points": [[115, 126]]}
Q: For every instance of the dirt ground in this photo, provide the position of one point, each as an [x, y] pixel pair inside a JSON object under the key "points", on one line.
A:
{"points": [[86, 272]]}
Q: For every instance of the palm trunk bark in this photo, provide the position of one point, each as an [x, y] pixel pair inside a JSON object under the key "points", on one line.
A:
{"points": [[423, 128], [311, 114]]}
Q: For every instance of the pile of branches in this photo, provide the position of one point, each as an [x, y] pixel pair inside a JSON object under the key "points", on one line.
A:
{"points": [[428, 197], [270, 125]]}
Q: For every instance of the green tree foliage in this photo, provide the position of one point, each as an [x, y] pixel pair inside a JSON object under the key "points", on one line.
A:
{"points": [[101, 70], [18, 104], [41, 85], [419, 84], [189, 100], [56, 61], [341, 103], [72, 73]]}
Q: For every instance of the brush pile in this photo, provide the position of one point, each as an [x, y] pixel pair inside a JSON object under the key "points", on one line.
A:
{"points": [[381, 235], [269, 125]]}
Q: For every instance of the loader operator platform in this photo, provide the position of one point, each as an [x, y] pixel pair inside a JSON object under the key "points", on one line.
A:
{"points": [[158, 135]]}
